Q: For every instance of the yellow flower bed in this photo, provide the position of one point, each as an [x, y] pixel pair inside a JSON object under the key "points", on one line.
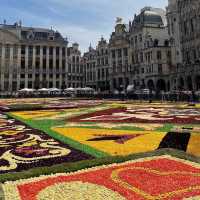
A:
{"points": [[35, 114], [148, 141], [193, 145]]}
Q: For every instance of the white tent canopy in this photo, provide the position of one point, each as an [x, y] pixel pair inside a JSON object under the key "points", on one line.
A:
{"points": [[43, 90], [130, 88], [27, 90], [70, 89], [54, 90], [116, 92], [88, 89]]}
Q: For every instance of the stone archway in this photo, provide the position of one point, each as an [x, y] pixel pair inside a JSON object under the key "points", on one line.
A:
{"points": [[150, 85], [181, 83], [189, 83], [161, 85], [197, 82], [114, 83], [168, 86]]}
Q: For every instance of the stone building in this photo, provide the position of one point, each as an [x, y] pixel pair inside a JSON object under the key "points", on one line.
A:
{"points": [[31, 58], [189, 15], [184, 30], [150, 51], [90, 65], [119, 59], [75, 71], [174, 34], [102, 56]]}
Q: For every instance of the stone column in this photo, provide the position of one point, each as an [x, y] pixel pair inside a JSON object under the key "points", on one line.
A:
{"points": [[33, 67], [66, 67], [11, 68], [110, 69], [41, 66], [47, 67], [60, 66], [2, 66], [54, 66], [26, 67], [18, 66]]}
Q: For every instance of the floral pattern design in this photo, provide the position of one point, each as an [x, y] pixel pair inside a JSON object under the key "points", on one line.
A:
{"points": [[22, 147], [161, 177], [142, 115], [125, 142]]}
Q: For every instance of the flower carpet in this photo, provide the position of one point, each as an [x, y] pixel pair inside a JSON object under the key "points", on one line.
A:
{"points": [[150, 178], [125, 142], [41, 150], [44, 103], [22, 147], [143, 115], [115, 128]]}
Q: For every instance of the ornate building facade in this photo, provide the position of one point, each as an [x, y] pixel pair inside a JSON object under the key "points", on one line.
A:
{"points": [[149, 45], [102, 56], [90, 65], [157, 50], [31, 58], [75, 70], [184, 29], [119, 47]]}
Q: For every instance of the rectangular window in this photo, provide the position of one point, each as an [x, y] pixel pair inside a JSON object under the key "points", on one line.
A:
{"points": [[63, 64], [15, 51], [30, 63], [44, 51], [57, 51], [51, 63], [44, 63], [70, 69], [57, 63], [140, 37], [23, 63], [23, 49], [160, 68], [142, 70], [113, 53], [37, 50], [141, 57], [63, 51], [30, 51], [7, 51], [192, 25], [22, 75], [159, 55], [119, 53], [125, 52], [50, 51]]}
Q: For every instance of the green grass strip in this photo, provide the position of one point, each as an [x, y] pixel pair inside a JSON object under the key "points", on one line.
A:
{"points": [[165, 128], [45, 126], [128, 128]]}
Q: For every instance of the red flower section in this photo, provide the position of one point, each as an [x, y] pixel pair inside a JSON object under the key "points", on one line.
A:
{"points": [[161, 178], [141, 115]]}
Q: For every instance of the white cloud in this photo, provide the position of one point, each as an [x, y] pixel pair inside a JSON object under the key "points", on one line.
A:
{"points": [[83, 21]]}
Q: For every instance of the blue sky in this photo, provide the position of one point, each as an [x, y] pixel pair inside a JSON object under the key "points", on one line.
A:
{"points": [[82, 21]]}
